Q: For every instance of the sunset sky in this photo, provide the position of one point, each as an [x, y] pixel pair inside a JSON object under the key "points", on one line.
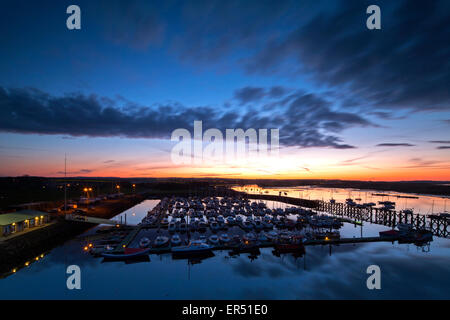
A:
{"points": [[349, 103]]}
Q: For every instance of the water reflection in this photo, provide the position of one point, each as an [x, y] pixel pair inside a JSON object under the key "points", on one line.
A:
{"points": [[320, 272], [425, 204]]}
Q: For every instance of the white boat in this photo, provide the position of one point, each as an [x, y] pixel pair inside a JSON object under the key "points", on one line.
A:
{"points": [[195, 246], [272, 235], [175, 240], [172, 227], [249, 237], [213, 239], [161, 241], [231, 221], [224, 238], [144, 242]]}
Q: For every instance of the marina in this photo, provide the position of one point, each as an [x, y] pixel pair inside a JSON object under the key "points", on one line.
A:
{"points": [[194, 224], [280, 264]]}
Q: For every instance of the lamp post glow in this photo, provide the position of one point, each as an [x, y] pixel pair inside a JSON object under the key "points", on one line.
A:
{"points": [[87, 190]]}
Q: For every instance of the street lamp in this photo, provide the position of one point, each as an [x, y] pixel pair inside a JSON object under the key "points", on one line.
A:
{"points": [[87, 190]]}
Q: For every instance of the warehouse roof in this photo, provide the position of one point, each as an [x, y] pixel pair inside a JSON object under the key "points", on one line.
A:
{"points": [[19, 216]]}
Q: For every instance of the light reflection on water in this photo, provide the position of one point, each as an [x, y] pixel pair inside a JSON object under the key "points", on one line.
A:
{"points": [[425, 204], [338, 272]]}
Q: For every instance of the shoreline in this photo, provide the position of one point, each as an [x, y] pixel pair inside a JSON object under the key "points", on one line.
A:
{"points": [[22, 249]]}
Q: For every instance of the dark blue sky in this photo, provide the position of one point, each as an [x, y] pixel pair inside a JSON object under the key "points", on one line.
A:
{"points": [[139, 69]]}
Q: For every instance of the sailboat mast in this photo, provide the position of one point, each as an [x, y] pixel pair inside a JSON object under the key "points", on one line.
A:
{"points": [[65, 183]]}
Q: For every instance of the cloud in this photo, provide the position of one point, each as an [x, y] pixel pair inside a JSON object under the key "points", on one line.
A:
{"points": [[108, 161], [82, 171], [304, 119], [353, 161], [137, 24], [405, 65], [256, 94], [249, 94], [422, 163], [440, 141], [395, 145], [443, 147]]}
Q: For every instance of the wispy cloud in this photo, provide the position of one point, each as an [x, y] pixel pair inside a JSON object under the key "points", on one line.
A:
{"points": [[388, 144]]}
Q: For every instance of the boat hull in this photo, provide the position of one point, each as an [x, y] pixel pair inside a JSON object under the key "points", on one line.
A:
{"points": [[123, 256]]}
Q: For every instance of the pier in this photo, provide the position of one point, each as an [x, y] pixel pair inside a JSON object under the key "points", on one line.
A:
{"points": [[94, 220], [436, 224]]}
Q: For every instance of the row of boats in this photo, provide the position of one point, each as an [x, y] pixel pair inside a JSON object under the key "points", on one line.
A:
{"points": [[267, 222], [282, 241], [384, 205], [222, 239], [182, 215]]}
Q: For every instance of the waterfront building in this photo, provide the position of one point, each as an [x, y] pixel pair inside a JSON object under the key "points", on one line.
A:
{"points": [[21, 221]]}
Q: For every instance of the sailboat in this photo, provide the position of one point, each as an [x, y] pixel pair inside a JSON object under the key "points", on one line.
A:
{"points": [[195, 246]]}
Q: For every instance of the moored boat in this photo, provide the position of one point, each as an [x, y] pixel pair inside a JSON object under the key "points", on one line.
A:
{"points": [[224, 238], [389, 234], [195, 246], [175, 240], [161, 241], [128, 253], [405, 227], [214, 239], [144, 242], [172, 227]]}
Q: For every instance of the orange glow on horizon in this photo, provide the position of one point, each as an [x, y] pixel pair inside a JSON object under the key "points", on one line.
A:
{"points": [[292, 164]]}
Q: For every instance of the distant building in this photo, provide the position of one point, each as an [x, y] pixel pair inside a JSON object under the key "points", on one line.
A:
{"points": [[20, 221]]}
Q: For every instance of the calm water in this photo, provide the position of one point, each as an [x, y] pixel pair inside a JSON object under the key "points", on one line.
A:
{"points": [[338, 272], [425, 204]]}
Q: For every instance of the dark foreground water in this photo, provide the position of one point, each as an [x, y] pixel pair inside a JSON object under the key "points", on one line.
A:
{"points": [[338, 272]]}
